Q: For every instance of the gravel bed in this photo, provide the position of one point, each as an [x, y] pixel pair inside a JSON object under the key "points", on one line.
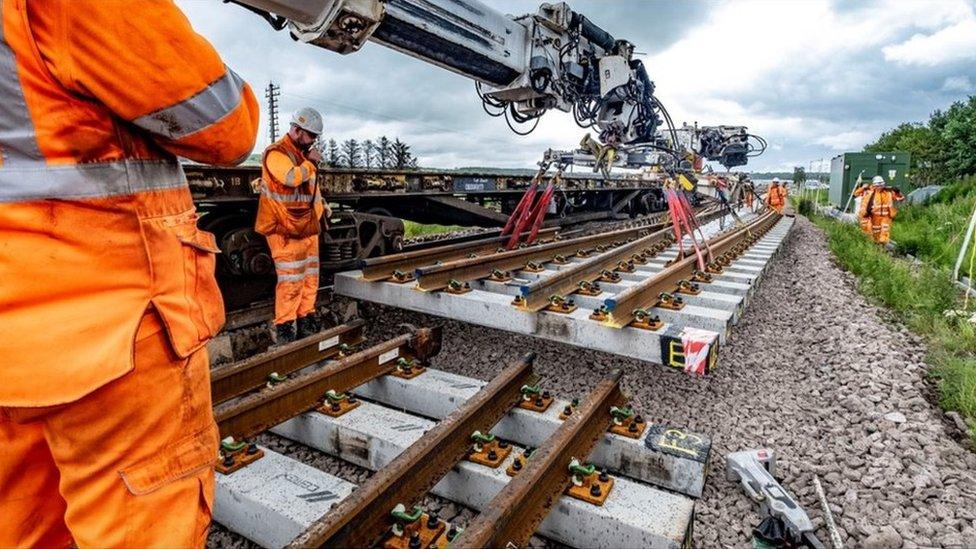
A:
{"points": [[812, 371]]}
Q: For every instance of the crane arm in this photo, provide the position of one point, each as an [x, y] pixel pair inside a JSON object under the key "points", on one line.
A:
{"points": [[523, 66]]}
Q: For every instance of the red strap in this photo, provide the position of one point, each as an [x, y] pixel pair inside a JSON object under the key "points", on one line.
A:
{"points": [[521, 209], [539, 215], [681, 219]]}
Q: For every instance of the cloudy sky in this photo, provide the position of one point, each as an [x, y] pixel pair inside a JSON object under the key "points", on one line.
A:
{"points": [[815, 77]]}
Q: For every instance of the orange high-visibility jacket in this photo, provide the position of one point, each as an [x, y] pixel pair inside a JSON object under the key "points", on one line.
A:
{"points": [[97, 99], [290, 203], [776, 195], [880, 202]]}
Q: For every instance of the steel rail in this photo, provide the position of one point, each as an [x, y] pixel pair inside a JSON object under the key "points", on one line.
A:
{"points": [[537, 294], [258, 411], [235, 379], [438, 277], [511, 518], [364, 515], [621, 307], [383, 267]]}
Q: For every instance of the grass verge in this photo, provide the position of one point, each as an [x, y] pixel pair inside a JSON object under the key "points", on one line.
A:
{"points": [[933, 231], [413, 230], [918, 294]]}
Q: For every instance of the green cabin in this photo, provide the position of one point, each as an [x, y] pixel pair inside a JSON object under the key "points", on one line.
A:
{"points": [[844, 169]]}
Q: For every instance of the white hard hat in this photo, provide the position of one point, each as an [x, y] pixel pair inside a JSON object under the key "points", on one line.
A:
{"points": [[877, 180], [308, 119], [775, 180]]}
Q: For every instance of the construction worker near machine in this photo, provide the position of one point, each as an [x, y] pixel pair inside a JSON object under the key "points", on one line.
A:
{"points": [[863, 220], [776, 196], [108, 295], [878, 207], [748, 193], [290, 211]]}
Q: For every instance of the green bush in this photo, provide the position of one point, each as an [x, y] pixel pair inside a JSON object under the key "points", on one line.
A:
{"points": [[413, 230], [804, 206], [933, 231]]}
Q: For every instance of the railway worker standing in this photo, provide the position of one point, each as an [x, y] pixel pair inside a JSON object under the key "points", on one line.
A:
{"points": [[864, 220], [108, 295], [748, 193], [878, 205], [290, 210], [776, 196]]}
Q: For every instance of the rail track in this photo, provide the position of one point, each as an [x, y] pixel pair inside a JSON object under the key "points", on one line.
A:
{"points": [[506, 447], [451, 248], [631, 291], [588, 472]]}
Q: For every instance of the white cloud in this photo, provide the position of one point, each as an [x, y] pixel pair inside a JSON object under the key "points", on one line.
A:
{"points": [[802, 74], [809, 76], [958, 84], [947, 45], [846, 140]]}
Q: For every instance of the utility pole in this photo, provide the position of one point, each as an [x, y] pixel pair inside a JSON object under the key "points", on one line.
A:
{"points": [[272, 93]]}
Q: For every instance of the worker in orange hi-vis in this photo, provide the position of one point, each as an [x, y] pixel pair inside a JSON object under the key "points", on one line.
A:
{"points": [[108, 295], [748, 194], [863, 218], [776, 196], [290, 210], [878, 205]]}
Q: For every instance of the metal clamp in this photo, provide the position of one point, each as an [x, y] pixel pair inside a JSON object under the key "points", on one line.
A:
{"points": [[234, 455], [588, 485]]}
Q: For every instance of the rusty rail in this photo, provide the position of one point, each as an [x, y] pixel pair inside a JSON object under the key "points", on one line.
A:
{"points": [[365, 515], [515, 512], [258, 411], [537, 295], [382, 268], [231, 380], [438, 277], [725, 247]]}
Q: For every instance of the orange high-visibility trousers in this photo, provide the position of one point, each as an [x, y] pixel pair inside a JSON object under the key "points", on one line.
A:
{"points": [[865, 223], [297, 266], [881, 228], [128, 465]]}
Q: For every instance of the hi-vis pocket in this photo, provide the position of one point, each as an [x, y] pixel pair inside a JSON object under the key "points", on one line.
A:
{"points": [[185, 458], [185, 290]]}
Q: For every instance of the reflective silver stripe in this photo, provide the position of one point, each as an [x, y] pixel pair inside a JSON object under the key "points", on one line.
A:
{"points": [[291, 278], [18, 142], [311, 272], [197, 113], [298, 197], [289, 264], [291, 178], [308, 263], [40, 181]]}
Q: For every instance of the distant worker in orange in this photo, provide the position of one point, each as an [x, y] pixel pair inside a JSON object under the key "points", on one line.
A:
{"points": [[290, 210], [776, 196], [878, 205], [748, 193], [108, 295], [863, 219]]}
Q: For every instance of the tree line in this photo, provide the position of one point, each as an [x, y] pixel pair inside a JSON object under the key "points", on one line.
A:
{"points": [[370, 154], [942, 149]]}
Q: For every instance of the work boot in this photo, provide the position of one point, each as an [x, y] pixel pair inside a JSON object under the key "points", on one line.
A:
{"points": [[307, 326], [285, 333]]}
